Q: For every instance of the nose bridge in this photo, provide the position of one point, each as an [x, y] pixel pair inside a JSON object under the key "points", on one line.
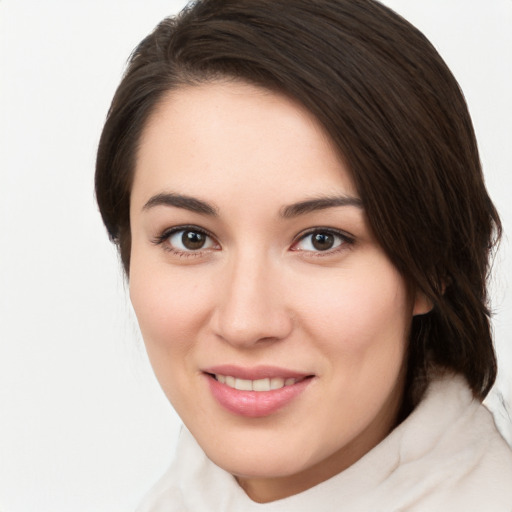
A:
{"points": [[251, 306]]}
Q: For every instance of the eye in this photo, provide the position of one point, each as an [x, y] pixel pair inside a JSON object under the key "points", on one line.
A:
{"points": [[321, 240], [190, 240], [186, 240]]}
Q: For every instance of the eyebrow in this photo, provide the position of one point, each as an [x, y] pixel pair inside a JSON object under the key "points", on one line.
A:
{"points": [[293, 210], [321, 203], [181, 201]]}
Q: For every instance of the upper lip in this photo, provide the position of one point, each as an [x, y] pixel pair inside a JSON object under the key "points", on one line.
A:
{"points": [[255, 372]]}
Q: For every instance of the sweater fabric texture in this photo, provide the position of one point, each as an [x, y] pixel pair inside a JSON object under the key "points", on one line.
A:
{"points": [[446, 456]]}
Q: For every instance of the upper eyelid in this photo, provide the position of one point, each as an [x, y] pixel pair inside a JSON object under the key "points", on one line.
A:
{"points": [[189, 227], [321, 229], [347, 241], [166, 233]]}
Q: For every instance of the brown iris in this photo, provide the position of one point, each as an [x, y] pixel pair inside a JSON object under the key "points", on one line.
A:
{"points": [[322, 241], [193, 240]]}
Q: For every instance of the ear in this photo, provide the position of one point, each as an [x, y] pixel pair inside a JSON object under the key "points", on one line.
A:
{"points": [[422, 304]]}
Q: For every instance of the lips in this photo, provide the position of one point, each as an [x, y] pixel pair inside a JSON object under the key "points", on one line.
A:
{"points": [[258, 385], [255, 392]]}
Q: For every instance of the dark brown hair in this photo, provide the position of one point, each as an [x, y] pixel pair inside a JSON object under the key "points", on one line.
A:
{"points": [[393, 110]]}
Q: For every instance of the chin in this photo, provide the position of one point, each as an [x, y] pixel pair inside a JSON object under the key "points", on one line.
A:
{"points": [[256, 455], [261, 466]]}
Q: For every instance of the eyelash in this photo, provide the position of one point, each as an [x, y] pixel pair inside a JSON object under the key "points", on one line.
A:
{"points": [[164, 237], [344, 238]]}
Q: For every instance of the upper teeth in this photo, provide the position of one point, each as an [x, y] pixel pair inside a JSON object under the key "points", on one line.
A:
{"points": [[255, 385]]}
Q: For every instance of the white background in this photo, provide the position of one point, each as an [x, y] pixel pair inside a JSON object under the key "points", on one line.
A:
{"points": [[83, 424]]}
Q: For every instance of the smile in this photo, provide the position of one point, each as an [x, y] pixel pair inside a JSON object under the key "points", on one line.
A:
{"points": [[256, 392], [268, 384]]}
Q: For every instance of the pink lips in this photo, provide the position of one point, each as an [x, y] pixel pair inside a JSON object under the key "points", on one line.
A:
{"points": [[254, 404]]}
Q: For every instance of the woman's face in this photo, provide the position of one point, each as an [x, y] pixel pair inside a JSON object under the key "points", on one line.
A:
{"points": [[274, 322]]}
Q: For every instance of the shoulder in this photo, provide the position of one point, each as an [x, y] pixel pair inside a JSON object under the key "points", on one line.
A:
{"points": [[164, 496], [452, 454], [447, 456], [192, 483]]}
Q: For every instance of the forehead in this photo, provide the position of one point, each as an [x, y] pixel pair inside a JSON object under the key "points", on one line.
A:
{"points": [[224, 138]]}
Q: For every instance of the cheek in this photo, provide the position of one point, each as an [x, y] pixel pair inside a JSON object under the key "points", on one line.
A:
{"points": [[170, 312], [170, 308], [361, 326], [357, 312]]}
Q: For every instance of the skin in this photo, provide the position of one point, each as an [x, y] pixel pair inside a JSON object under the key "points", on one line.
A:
{"points": [[259, 292]]}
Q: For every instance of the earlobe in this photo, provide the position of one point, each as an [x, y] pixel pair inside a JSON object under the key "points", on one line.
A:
{"points": [[422, 304]]}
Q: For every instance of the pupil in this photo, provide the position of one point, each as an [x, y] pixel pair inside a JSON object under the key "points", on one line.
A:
{"points": [[323, 241], [193, 240]]}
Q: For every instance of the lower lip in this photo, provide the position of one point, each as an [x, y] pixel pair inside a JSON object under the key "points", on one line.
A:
{"points": [[255, 404]]}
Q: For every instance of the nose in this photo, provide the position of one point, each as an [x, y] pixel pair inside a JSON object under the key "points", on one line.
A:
{"points": [[251, 306]]}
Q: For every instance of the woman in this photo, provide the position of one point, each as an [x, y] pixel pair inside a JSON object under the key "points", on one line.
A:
{"points": [[296, 194]]}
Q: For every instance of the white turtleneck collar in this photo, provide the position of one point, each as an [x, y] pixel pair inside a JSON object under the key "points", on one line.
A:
{"points": [[446, 456]]}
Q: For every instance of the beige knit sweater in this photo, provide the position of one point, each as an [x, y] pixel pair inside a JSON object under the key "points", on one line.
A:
{"points": [[446, 456]]}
